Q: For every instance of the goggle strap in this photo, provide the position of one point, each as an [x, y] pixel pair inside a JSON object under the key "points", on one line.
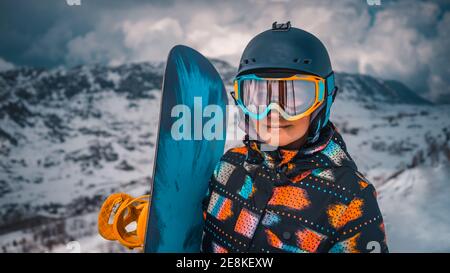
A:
{"points": [[247, 126]]}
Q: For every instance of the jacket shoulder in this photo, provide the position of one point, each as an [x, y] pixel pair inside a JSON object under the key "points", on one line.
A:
{"points": [[352, 180]]}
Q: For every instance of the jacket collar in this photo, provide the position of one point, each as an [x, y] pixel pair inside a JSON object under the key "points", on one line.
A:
{"points": [[280, 156]]}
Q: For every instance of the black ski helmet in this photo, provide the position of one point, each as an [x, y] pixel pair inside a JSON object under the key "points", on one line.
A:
{"points": [[285, 48]]}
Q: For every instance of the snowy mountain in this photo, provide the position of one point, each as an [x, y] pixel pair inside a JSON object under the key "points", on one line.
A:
{"points": [[70, 137], [404, 149]]}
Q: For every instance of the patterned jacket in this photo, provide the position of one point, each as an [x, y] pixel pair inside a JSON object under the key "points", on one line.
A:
{"points": [[308, 200]]}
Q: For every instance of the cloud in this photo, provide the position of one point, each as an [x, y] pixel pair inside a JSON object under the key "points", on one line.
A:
{"points": [[145, 38], [95, 48], [135, 35], [404, 40], [4, 65], [50, 46]]}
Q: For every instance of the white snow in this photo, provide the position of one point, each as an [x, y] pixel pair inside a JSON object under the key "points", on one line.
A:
{"points": [[53, 177]]}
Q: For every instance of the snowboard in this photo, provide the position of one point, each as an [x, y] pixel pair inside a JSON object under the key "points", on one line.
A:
{"points": [[189, 144]]}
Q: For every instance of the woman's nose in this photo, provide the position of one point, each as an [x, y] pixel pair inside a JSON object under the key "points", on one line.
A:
{"points": [[274, 116]]}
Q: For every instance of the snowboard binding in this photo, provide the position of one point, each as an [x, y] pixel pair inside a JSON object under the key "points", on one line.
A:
{"points": [[124, 210]]}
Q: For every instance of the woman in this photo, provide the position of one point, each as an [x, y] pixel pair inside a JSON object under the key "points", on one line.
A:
{"points": [[292, 187]]}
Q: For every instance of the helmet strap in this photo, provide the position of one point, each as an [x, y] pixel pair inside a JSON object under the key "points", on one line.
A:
{"points": [[320, 117]]}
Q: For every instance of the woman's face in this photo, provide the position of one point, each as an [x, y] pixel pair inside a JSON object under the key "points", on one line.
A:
{"points": [[276, 131]]}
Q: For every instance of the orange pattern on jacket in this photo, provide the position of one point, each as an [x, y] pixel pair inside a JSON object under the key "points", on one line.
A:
{"points": [[240, 150], [246, 223], [301, 176], [273, 240], [218, 248], [339, 214], [225, 210], [291, 197], [309, 240], [347, 246], [287, 155], [363, 184]]}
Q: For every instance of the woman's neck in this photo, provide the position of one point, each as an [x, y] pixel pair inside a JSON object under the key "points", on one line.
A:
{"points": [[296, 145]]}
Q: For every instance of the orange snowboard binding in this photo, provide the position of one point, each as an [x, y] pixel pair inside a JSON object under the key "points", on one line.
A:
{"points": [[124, 210]]}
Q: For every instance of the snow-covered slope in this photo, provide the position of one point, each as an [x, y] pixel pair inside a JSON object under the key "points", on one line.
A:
{"points": [[69, 138], [404, 149]]}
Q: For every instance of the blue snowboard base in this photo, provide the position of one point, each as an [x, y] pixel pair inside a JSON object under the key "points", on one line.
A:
{"points": [[182, 168]]}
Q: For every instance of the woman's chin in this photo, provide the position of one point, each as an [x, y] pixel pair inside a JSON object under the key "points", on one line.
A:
{"points": [[277, 138]]}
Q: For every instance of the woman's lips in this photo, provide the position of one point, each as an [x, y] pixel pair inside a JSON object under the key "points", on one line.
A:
{"points": [[277, 126]]}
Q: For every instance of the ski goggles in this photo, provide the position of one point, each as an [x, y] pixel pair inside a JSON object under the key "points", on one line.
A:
{"points": [[293, 97]]}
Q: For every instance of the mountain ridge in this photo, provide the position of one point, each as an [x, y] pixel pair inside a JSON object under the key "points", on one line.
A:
{"points": [[70, 137]]}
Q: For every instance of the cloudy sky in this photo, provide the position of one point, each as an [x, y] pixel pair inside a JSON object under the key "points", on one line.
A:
{"points": [[405, 39]]}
